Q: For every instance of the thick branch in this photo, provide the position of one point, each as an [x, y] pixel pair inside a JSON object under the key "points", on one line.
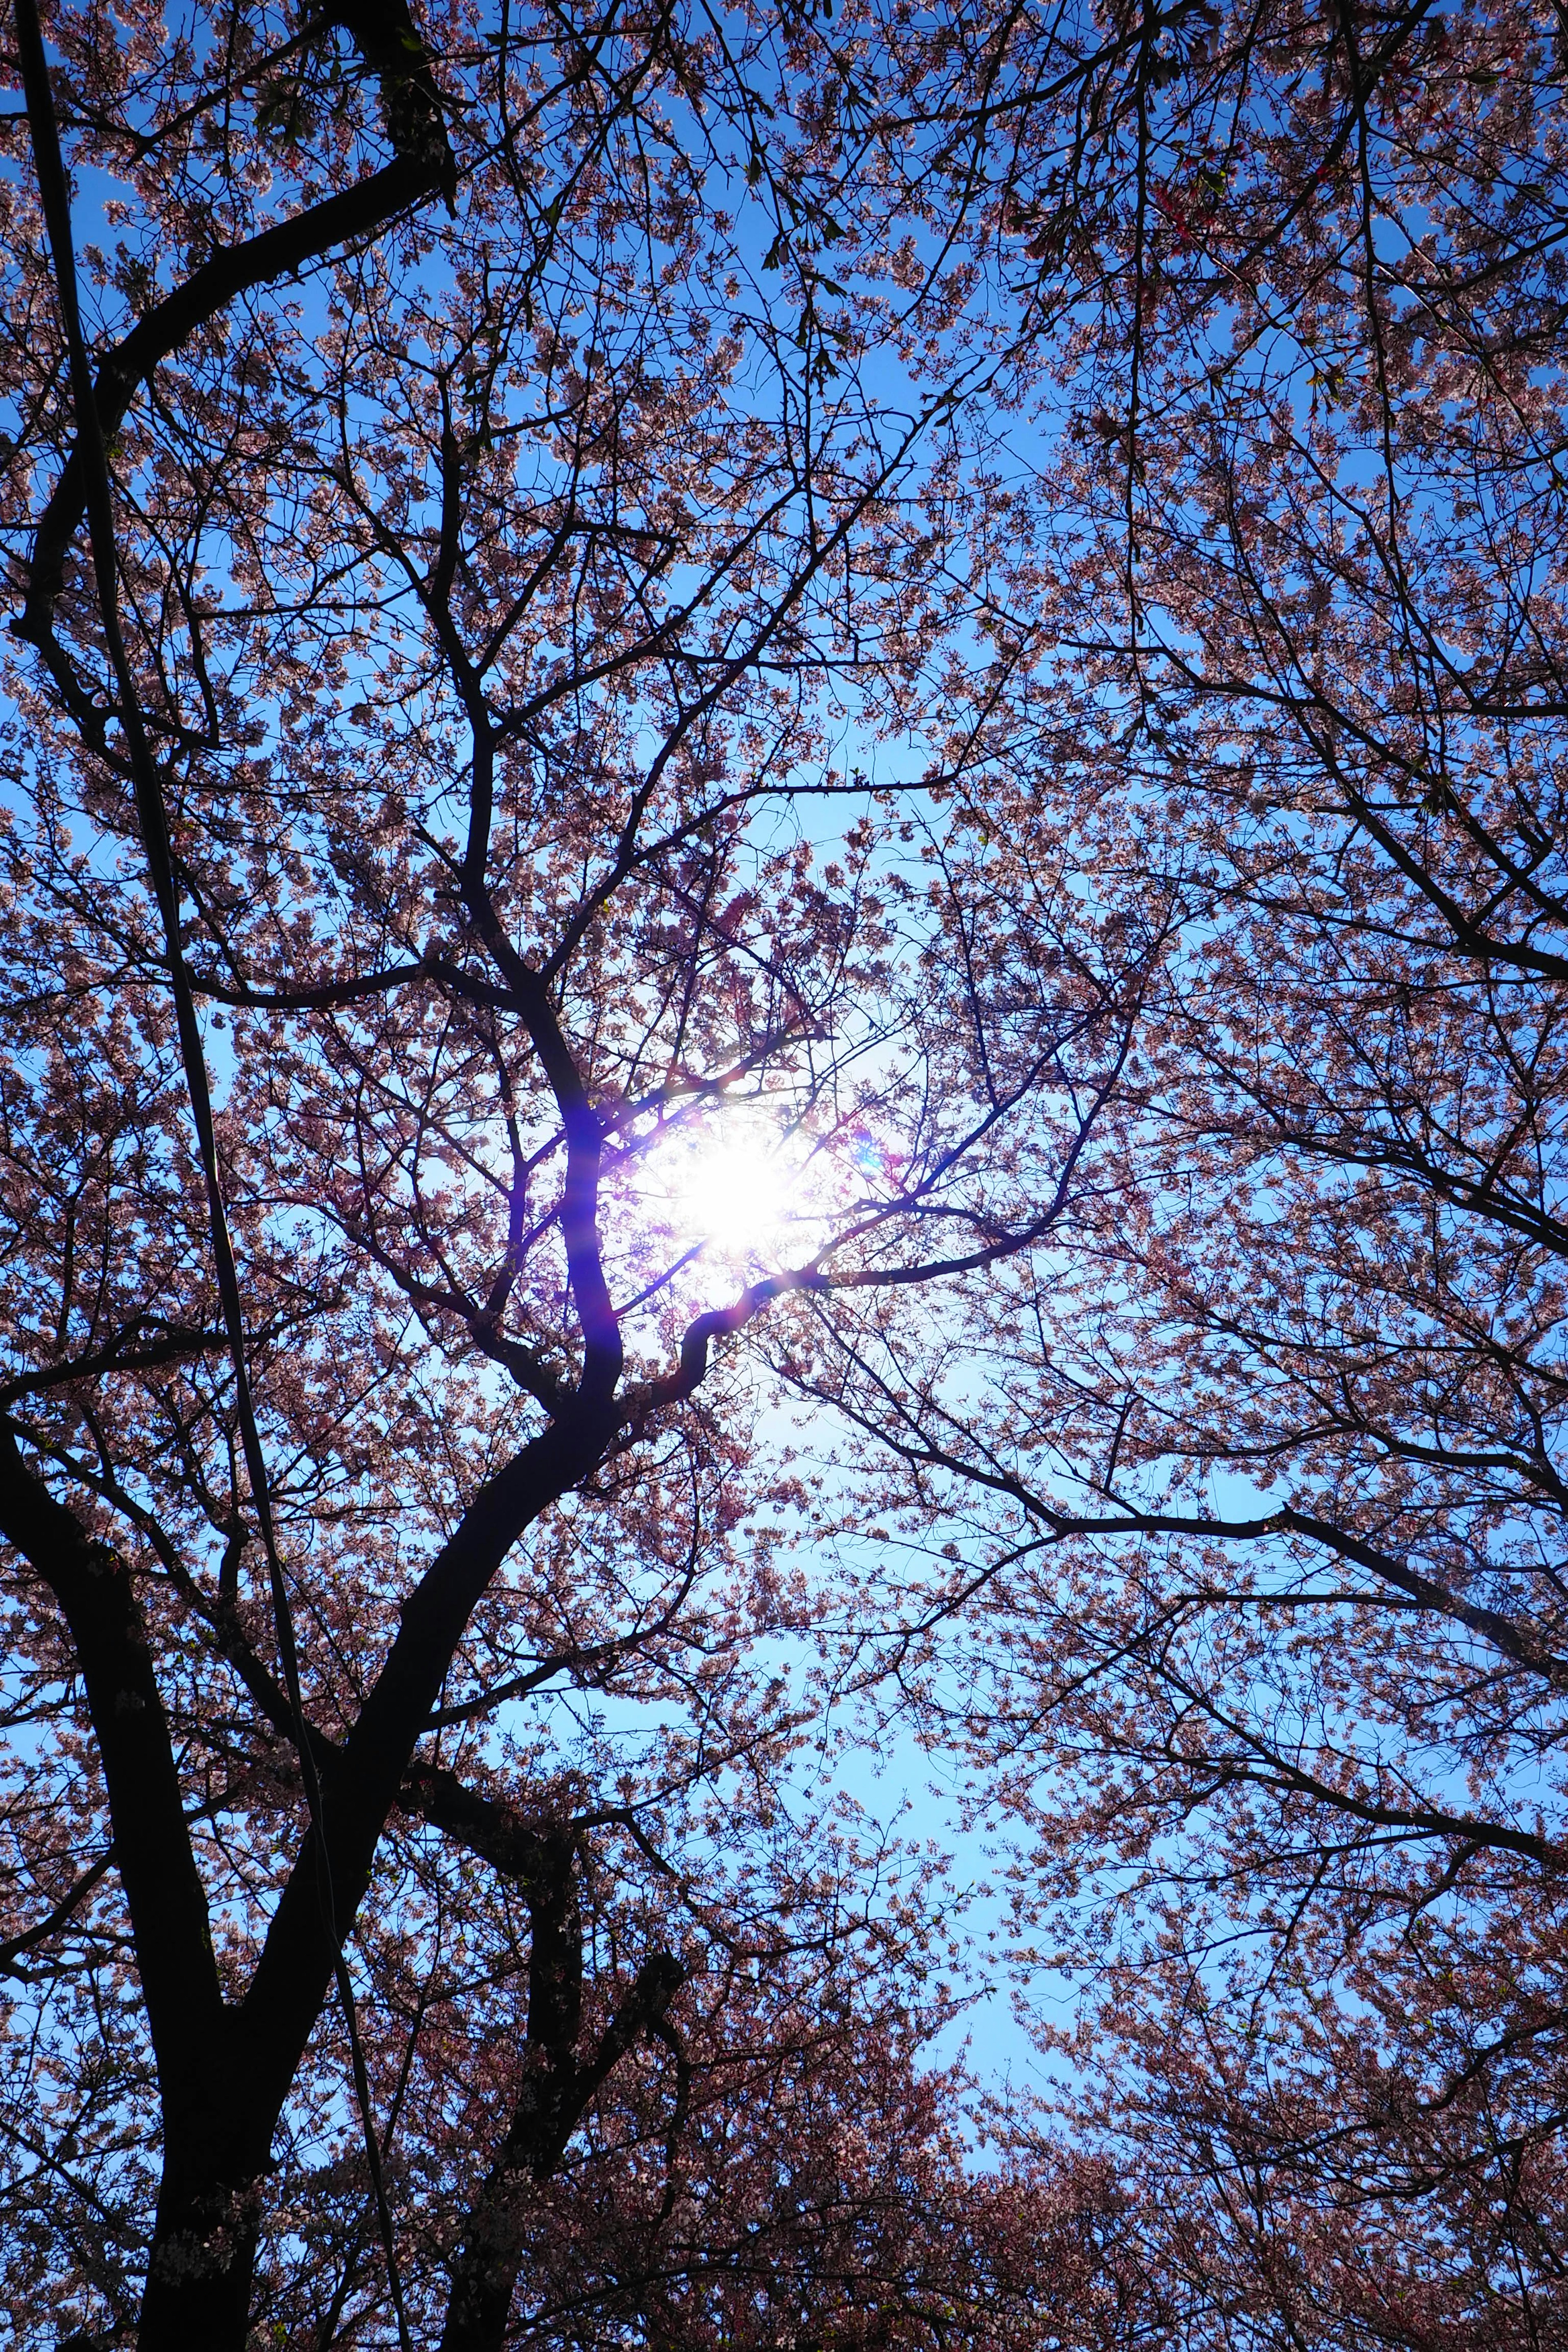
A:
{"points": [[555, 2095], [153, 1851], [364, 1783]]}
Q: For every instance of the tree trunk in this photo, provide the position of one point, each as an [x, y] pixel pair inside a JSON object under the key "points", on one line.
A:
{"points": [[197, 2296], [485, 2278], [555, 2095]]}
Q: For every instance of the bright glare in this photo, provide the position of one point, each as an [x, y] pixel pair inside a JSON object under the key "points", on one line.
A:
{"points": [[731, 1193]]}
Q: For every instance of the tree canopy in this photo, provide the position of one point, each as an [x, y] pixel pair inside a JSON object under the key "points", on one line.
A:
{"points": [[784, 916]]}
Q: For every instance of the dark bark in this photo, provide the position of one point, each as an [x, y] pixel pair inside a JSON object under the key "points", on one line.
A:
{"points": [[199, 2284], [203, 2244], [223, 2073], [362, 1783], [556, 2089], [211, 2198], [164, 1891]]}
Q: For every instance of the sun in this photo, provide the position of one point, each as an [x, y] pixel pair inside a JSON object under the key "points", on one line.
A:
{"points": [[731, 1193]]}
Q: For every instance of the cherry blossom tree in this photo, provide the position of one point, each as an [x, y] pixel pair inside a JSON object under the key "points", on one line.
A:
{"points": [[454, 510], [782, 881], [1249, 1483]]}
